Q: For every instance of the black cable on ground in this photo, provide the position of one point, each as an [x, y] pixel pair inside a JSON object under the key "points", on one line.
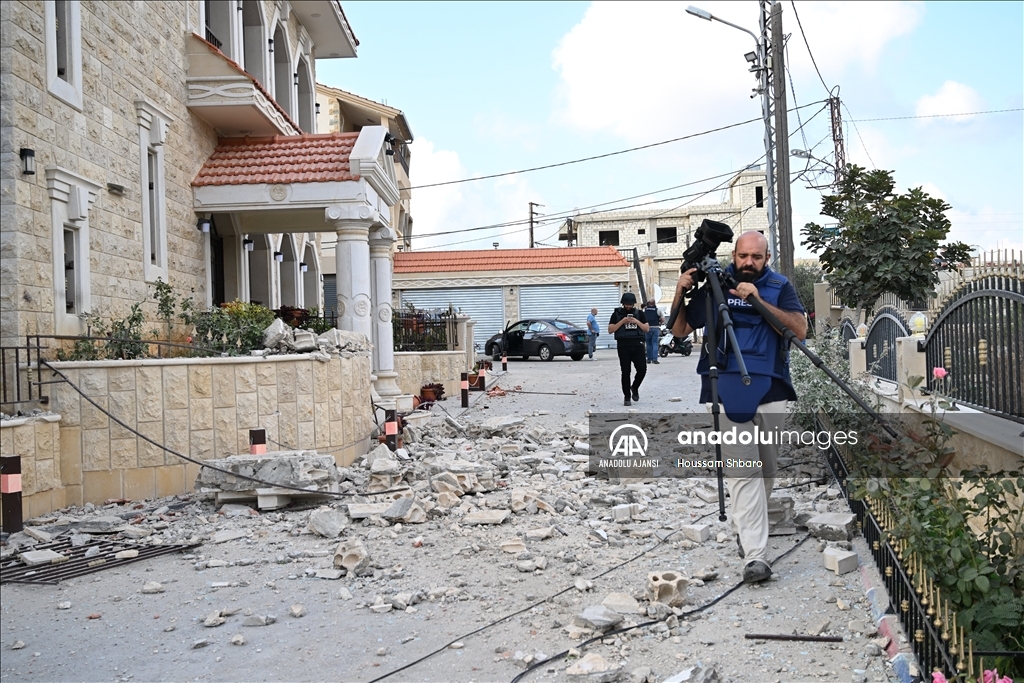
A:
{"points": [[528, 607], [696, 610], [121, 423]]}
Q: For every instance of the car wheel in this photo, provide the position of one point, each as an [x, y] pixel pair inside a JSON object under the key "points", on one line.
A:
{"points": [[663, 352], [494, 352], [544, 352], [577, 356]]}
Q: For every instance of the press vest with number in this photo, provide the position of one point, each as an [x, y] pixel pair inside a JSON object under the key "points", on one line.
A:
{"points": [[760, 344], [629, 330]]}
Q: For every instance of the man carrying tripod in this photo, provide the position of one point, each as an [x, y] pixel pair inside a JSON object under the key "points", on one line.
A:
{"points": [[762, 400]]}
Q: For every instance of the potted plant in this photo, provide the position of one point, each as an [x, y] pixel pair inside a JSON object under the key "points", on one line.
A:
{"points": [[432, 392]]}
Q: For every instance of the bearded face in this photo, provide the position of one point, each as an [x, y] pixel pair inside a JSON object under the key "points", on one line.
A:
{"points": [[748, 273]]}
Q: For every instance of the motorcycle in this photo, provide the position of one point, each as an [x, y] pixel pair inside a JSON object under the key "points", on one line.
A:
{"points": [[670, 343]]}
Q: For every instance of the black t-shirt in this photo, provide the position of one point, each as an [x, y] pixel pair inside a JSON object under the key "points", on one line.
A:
{"points": [[629, 330]]}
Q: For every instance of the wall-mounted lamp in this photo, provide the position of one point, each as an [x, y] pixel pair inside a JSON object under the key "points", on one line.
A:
{"points": [[278, 256], [918, 323], [750, 57], [494, 244], [303, 267], [28, 161], [390, 152], [318, 109], [270, 42], [296, 78], [203, 225], [239, 5], [389, 138], [862, 331], [249, 245], [401, 247], [114, 188]]}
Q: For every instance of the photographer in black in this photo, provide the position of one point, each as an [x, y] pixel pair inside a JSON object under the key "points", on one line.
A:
{"points": [[630, 330], [762, 403]]}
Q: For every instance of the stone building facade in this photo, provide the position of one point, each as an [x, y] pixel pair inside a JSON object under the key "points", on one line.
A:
{"points": [[660, 237], [116, 106]]}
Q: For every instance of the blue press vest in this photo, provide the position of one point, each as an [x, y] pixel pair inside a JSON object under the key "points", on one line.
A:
{"points": [[760, 344]]}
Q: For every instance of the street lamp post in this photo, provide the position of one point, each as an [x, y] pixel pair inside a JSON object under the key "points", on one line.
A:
{"points": [[760, 65]]}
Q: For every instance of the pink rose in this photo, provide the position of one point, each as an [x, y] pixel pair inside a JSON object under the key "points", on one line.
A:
{"points": [[939, 373], [937, 677]]}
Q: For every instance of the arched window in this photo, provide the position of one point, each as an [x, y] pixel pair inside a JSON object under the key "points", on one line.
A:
{"points": [[306, 97], [254, 42], [311, 280], [283, 75], [289, 273]]}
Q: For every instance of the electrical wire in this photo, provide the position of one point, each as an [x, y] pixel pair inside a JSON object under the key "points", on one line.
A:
{"points": [[863, 146], [935, 116], [813, 61], [599, 156], [125, 425]]}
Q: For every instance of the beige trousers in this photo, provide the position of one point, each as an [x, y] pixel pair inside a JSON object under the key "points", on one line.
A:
{"points": [[750, 486]]}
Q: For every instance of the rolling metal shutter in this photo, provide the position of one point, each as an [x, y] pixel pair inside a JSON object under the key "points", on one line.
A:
{"points": [[330, 295], [485, 305], [571, 303]]}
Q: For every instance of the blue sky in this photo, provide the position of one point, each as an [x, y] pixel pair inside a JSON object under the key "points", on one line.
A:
{"points": [[496, 87]]}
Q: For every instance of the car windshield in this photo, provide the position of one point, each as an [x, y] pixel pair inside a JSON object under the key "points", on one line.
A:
{"points": [[563, 325]]}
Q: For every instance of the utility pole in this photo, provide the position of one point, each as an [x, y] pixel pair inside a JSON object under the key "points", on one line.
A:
{"points": [[763, 66], [837, 137], [784, 204], [532, 204]]}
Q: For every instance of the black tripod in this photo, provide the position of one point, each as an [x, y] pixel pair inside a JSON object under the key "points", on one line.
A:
{"points": [[719, 280]]}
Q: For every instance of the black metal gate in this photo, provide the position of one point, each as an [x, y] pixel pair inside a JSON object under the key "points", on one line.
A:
{"points": [[979, 339], [887, 325]]}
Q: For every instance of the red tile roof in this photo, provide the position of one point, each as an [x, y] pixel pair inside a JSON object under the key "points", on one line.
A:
{"points": [[508, 259], [279, 159]]}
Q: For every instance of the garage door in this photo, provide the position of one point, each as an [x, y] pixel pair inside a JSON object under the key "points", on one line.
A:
{"points": [[571, 303], [485, 305]]}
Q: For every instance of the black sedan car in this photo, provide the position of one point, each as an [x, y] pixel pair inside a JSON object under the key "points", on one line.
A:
{"points": [[544, 338]]}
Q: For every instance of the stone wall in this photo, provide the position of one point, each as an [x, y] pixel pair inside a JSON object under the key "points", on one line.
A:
{"points": [[418, 368], [201, 408]]}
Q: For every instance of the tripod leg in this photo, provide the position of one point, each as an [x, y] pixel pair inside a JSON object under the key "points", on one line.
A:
{"points": [[711, 340]]}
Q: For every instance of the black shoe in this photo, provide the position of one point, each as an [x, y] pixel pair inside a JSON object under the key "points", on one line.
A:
{"points": [[627, 402], [756, 571], [655, 361], [636, 395], [740, 545]]}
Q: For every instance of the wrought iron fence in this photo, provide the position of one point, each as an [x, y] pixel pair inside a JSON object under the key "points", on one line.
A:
{"points": [[887, 325], [979, 339], [922, 611], [416, 330], [849, 332], [18, 383]]}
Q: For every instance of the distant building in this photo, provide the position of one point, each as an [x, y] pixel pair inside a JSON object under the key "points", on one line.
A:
{"points": [[661, 236]]}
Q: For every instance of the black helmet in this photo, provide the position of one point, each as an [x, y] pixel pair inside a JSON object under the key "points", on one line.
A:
{"points": [[628, 298]]}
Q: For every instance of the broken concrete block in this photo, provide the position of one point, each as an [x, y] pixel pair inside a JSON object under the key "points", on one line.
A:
{"points": [[257, 620], [447, 500], [486, 517], [623, 603], [297, 610], [598, 617], [364, 510], [513, 546], [840, 561], [214, 619], [277, 333], [126, 554], [446, 482], [225, 535], [329, 574], [328, 522], [622, 513], [352, 556], [406, 510], [38, 534], [698, 533], [833, 526], [305, 469], [37, 557], [667, 587], [386, 465], [592, 668], [540, 534], [706, 494], [781, 517], [304, 341], [384, 482], [151, 587], [381, 451], [238, 639]]}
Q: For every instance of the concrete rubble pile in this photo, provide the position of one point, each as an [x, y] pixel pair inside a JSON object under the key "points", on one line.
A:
{"points": [[500, 498], [279, 337]]}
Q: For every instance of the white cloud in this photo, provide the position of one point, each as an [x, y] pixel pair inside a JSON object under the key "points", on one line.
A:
{"points": [[467, 205], [648, 70], [951, 98]]}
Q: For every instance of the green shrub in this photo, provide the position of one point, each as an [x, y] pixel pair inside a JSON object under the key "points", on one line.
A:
{"points": [[235, 328]]}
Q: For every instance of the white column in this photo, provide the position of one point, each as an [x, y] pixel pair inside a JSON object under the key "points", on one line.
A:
{"points": [[352, 260], [381, 239]]}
